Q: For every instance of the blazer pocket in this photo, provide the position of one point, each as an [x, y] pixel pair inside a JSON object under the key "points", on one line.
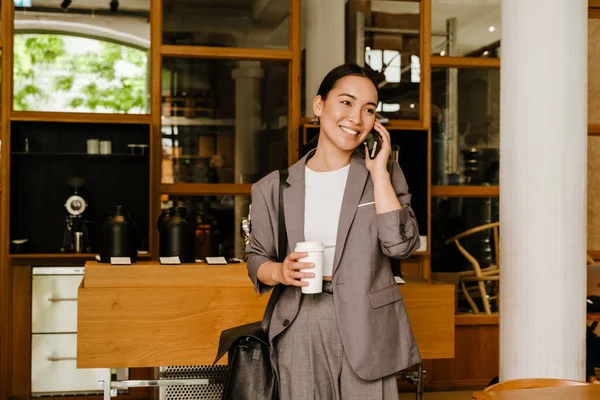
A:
{"points": [[369, 206], [385, 296]]}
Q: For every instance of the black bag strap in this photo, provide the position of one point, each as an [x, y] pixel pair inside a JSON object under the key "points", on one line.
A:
{"points": [[282, 247], [281, 251]]}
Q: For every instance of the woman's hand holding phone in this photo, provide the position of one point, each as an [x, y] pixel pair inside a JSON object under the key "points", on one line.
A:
{"points": [[378, 154]]}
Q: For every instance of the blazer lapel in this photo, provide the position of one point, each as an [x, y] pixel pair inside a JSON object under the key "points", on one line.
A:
{"points": [[357, 178]]}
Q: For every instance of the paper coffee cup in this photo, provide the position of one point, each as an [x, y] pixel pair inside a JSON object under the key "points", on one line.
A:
{"points": [[315, 256]]}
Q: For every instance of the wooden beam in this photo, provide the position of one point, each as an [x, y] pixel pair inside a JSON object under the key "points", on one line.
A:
{"points": [[465, 191], [206, 189], [294, 77], [425, 86], [593, 129], [464, 62], [6, 99], [155, 113], [94, 118], [21, 333], [233, 53]]}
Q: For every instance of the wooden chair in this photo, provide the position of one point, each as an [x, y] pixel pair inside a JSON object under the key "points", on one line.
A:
{"points": [[532, 383], [478, 275]]}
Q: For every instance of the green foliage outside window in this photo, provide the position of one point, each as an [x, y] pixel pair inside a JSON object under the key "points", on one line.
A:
{"points": [[68, 73]]}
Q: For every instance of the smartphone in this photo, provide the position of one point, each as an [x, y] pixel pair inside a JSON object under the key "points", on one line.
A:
{"points": [[373, 142]]}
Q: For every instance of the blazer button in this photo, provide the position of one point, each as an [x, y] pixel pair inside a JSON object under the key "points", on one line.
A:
{"points": [[286, 322]]}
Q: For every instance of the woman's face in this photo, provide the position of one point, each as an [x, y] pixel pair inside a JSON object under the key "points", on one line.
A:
{"points": [[348, 114]]}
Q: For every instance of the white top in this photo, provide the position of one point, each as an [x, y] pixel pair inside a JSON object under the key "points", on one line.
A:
{"points": [[322, 205]]}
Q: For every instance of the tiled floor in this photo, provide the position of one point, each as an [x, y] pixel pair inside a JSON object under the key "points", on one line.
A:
{"points": [[464, 395]]}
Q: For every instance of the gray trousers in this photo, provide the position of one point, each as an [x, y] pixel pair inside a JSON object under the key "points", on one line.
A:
{"points": [[312, 362]]}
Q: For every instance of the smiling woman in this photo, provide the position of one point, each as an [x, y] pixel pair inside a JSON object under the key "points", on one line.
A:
{"points": [[357, 360]]}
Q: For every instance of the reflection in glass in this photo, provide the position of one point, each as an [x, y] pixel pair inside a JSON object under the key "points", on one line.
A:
{"points": [[451, 216], [465, 126], [216, 220], [385, 37], [223, 121], [88, 59], [466, 28], [226, 23]]}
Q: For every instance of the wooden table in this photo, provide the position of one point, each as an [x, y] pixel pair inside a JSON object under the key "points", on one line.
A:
{"points": [[150, 315], [585, 392]]}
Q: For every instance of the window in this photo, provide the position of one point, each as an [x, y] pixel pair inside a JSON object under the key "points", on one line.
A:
{"points": [[64, 73]]}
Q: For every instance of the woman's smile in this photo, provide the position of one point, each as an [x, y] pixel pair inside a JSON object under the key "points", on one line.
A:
{"points": [[348, 130]]}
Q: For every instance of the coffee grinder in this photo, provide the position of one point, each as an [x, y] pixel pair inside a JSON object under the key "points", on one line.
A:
{"points": [[75, 237]]}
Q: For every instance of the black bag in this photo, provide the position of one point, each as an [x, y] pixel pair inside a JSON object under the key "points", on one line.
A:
{"points": [[250, 375]]}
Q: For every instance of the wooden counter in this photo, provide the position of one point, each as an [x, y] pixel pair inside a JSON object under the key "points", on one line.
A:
{"points": [[149, 315]]}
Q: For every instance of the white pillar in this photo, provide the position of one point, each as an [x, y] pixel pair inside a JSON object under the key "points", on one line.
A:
{"points": [[543, 189], [323, 23], [247, 127]]}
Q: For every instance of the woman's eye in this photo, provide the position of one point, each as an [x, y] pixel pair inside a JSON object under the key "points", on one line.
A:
{"points": [[345, 102], [370, 111]]}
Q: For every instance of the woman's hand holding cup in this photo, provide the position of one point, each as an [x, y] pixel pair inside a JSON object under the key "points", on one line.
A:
{"points": [[289, 273]]}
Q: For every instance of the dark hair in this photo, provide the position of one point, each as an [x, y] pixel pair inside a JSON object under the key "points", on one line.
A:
{"points": [[341, 71]]}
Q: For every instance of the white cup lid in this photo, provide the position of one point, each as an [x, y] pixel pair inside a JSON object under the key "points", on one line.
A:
{"points": [[309, 246]]}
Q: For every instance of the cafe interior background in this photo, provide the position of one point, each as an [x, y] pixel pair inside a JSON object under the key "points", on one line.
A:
{"points": [[161, 103]]}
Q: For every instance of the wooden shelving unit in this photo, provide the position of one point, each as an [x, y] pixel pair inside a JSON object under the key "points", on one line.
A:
{"points": [[15, 269]]}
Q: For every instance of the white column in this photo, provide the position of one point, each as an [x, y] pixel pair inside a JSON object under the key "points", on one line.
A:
{"points": [[323, 23], [543, 189], [247, 126]]}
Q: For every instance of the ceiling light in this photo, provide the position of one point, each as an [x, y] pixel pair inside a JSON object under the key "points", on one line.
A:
{"points": [[412, 105], [65, 4], [367, 48], [442, 53], [485, 53], [492, 28]]}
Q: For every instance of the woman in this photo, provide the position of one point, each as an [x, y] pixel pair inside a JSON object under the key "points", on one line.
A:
{"points": [[349, 341]]}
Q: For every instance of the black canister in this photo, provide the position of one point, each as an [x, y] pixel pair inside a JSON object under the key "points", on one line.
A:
{"points": [[118, 236], [176, 235]]}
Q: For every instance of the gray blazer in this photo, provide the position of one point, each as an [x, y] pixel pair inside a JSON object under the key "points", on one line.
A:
{"points": [[372, 319]]}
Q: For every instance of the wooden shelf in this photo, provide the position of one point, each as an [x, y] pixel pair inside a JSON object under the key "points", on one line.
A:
{"points": [[61, 154], [465, 191], [464, 62], [96, 118], [225, 53], [406, 125], [476, 319], [53, 255], [206, 189], [200, 121], [53, 258]]}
